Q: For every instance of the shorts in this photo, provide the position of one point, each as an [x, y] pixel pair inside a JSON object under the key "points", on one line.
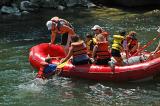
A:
{"points": [[115, 53], [81, 59], [64, 39], [102, 61]]}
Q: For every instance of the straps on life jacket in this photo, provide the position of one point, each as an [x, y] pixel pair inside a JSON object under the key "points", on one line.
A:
{"points": [[117, 42], [90, 44], [58, 23], [102, 51], [79, 48], [131, 42]]}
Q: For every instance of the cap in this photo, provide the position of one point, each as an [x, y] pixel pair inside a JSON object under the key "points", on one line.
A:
{"points": [[49, 25], [96, 27]]}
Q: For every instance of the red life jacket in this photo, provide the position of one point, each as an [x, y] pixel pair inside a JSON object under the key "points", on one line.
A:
{"points": [[79, 49], [102, 51], [131, 42]]}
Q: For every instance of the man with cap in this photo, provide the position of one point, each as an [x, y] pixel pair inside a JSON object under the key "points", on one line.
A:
{"points": [[61, 27], [98, 30]]}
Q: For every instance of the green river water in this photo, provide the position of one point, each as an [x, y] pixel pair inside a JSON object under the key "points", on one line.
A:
{"points": [[18, 86]]}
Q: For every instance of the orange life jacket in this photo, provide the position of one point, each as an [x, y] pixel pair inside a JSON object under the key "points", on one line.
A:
{"points": [[102, 51], [79, 49], [105, 34]]}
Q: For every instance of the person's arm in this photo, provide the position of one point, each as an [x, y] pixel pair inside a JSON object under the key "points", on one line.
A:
{"points": [[157, 49], [94, 52], [135, 47], [53, 36], [68, 55]]}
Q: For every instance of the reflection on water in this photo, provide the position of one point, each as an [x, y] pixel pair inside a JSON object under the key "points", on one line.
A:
{"points": [[18, 86]]}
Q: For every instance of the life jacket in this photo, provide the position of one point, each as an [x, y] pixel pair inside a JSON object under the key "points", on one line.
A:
{"points": [[117, 42], [102, 51], [131, 42], [59, 23], [79, 48], [79, 51], [90, 44], [105, 34]]}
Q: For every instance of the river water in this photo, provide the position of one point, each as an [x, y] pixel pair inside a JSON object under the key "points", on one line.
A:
{"points": [[18, 86]]}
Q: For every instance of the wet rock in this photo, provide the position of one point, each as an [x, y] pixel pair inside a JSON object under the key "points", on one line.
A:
{"points": [[91, 5], [60, 7], [28, 6], [25, 12], [10, 10], [64, 3]]}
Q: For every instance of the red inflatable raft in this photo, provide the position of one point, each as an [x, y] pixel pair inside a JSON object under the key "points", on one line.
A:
{"points": [[133, 72]]}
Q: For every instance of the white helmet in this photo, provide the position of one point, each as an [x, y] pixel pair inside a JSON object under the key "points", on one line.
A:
{"points": [[50, 24]]}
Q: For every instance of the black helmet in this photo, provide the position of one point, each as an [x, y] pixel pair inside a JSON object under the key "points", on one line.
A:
{"points": [[122, 32]]}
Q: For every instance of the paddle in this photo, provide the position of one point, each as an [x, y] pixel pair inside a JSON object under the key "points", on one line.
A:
{"points": [[54, 69], [148, 44]]}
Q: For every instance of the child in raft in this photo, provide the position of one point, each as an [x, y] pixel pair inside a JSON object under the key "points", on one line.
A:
{"points": [[132, 43], [117, 47], [90, 43]]}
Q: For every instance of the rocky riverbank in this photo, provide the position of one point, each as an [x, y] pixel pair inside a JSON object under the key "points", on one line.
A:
{"points": [[18, 7]]}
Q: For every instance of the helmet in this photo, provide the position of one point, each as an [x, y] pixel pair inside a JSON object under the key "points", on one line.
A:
{"points": [[50, 25], [122, 32]]}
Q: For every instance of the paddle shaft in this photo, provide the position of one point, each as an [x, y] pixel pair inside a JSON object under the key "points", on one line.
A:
{"points": [[145, 46]]}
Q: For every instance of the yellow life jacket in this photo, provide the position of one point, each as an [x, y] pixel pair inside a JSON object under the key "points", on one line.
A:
{"points": [[117, 42], [90, 44]]}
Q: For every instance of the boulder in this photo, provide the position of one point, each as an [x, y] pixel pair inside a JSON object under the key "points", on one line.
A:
{"points": [[28, 6], [10, 10]]}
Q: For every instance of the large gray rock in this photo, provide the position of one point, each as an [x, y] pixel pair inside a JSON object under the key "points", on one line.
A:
{"points": [[28, 6], [57, 3], [10, 9]]}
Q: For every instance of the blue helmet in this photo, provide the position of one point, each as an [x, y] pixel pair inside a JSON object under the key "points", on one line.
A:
{"points": [[51, 68]]}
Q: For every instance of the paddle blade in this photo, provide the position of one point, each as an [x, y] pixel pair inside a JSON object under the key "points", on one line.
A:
{"points": [[62, 64]]}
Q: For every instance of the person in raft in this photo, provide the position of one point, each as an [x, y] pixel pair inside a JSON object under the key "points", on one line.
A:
{"points": [[132, 43], [91, 40], [77, 51], [90, 43], [98, 30], [101, 54], [47, 69], [117, 47], [61, 27]]}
